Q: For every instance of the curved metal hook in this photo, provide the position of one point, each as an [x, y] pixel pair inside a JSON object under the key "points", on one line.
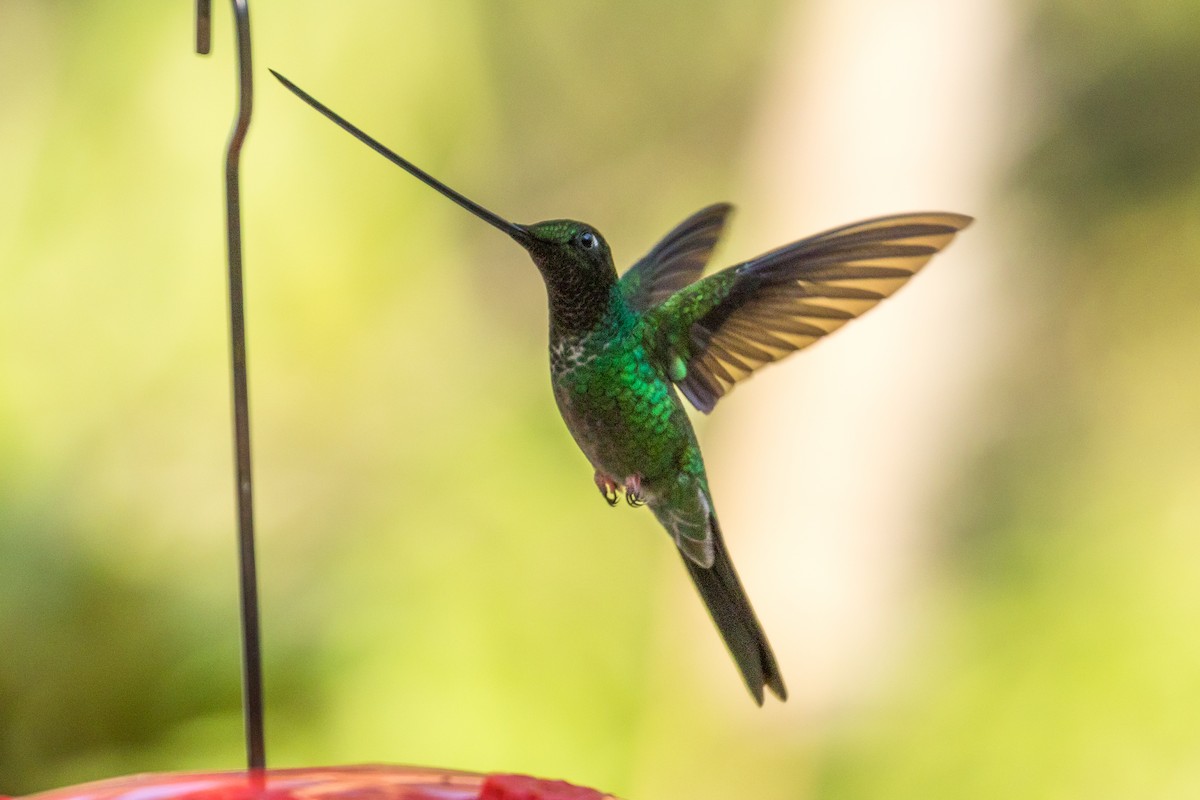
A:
{"points": [[252, 684]]}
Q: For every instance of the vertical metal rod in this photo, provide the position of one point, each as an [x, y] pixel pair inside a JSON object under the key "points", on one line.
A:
{"points": [[252, 681], [203, 27]]}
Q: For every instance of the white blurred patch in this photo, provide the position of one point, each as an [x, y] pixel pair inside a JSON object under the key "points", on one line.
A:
{"points": [[825, 469]]}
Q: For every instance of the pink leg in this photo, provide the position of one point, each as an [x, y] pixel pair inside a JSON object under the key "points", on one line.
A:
{"points": [[633, 491], [608, 487]]}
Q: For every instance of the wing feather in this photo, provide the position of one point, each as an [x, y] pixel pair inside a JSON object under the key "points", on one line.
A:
{"points": [[731, 323], [677, 260]]}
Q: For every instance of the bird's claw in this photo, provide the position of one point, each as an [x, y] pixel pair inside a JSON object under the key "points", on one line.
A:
{"points": [[633, 491], [608, 487]]}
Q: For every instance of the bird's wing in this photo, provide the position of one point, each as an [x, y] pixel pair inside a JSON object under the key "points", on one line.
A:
{"points": [[717, 331], [675, 261]]}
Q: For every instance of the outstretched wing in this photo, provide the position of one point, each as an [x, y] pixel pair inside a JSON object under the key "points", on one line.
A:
{"points": [[675, 261], [719, 330]]}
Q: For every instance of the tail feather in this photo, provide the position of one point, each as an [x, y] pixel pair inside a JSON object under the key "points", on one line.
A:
{"points": [[739, 627]]}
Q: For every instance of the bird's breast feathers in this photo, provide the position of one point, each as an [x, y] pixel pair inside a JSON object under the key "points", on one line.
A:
{"points": [[618, 406]]}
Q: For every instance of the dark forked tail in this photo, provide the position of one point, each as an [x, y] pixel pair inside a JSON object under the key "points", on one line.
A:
{"points": [[730, 609]]}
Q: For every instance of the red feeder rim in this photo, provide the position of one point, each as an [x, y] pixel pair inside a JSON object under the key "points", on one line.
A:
{"points": [[368, 782]]}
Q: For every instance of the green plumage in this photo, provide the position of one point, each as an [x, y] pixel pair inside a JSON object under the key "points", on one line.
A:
{"points": [[620, 350], [618, 403]]}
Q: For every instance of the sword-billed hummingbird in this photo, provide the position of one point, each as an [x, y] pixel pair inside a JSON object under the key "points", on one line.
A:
{"points": [[620, 347]]}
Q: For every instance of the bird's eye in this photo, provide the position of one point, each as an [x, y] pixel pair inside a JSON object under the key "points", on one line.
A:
{"points": [[588, 241]]}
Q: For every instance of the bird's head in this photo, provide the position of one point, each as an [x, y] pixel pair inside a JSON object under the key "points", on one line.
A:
{"points": [[567, 252]]}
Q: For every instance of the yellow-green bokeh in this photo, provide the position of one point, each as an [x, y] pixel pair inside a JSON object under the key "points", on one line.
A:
{"points": [[441, 584]]}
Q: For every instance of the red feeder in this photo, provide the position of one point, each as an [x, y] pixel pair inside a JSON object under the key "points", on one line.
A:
{"points": [[324, 783]]}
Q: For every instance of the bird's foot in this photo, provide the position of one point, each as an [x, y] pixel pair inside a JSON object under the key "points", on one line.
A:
{"points": [[608, 487], [633, 491]]}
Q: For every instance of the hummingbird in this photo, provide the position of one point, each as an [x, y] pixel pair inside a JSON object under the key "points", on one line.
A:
{"points": [[623, 350]]}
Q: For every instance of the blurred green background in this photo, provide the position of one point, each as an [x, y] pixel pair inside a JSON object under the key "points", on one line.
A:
{"points": [[985, 584]]}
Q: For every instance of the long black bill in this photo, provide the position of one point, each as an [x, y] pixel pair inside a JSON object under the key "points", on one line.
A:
{"points": [[514, 230]]}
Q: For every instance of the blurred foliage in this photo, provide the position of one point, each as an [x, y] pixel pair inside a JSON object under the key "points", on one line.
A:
{"points": [[1063, 662], [440, 584]]}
